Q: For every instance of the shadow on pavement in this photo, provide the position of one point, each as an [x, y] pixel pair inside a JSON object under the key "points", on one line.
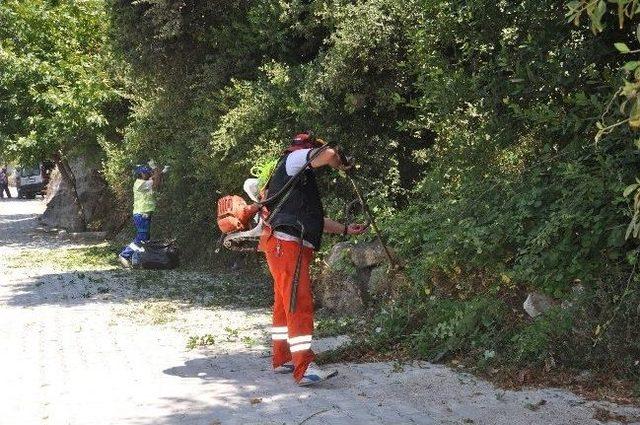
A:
{"points": [[72, 288], [246, 391], [18, 228]]}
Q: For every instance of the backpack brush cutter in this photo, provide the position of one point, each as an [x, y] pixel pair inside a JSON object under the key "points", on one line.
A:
{"points": [[241, 229], [235, 215]]}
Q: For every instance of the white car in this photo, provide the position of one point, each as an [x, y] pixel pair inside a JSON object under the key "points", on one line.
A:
{"points": [[29, 182]]}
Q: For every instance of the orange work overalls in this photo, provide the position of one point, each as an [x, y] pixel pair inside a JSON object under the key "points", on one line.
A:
{"points": [[292, 331]]}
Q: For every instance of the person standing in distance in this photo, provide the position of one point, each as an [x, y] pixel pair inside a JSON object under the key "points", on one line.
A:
{"points": [[148, 180], [4, 183]]}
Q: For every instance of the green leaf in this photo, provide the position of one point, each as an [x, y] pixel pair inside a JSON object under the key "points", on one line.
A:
{"points": [[634, 115], [631, 66], [629, 229], [629, 189], [598, 13], [622, 47], [572, 5]]}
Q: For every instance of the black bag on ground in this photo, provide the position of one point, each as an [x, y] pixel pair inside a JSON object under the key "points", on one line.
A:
{"points": [[156, 255]]}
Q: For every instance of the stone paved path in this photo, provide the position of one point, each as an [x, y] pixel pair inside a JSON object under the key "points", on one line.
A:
{"points": [[91, 347]]}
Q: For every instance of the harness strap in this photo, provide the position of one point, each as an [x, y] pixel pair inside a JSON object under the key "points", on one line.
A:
{"points": [[293, 300], [289, 185]]}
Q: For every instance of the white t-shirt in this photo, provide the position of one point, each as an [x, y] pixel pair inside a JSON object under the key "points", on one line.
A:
{"points": [[295, 162]]}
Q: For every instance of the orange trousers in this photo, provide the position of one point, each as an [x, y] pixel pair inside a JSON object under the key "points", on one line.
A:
{"points": [[292, 331]]}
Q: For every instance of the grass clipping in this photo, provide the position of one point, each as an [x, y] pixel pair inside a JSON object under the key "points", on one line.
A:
{"points": [[97, 257]]}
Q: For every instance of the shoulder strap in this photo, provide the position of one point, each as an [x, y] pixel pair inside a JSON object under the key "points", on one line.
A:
{"points": [[286, 190]]}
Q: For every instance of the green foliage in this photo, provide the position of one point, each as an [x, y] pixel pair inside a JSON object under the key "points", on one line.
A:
{"points": [[332, 326], [513, 184], [534, 344], [57, 89], [200, 341], [437, 328]]}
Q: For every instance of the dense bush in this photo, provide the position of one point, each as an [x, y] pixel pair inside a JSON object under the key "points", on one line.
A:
{"points": [[474, 126]]}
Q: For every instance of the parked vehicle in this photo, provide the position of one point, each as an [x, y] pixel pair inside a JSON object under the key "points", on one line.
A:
{"points": [[30, 181]]}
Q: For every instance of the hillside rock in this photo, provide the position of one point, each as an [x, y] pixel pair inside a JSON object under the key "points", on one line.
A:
{"points": [[353, 276], [379, 281], [537, 304], [338, 289], [338, 253], [367, 254], [339, 293], [61, 211]]}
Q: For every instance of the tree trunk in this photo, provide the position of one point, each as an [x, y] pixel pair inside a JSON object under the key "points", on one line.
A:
{"points": [[70, 179]]}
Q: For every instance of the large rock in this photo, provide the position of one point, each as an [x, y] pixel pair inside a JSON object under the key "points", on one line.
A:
{"points": [[61, 210], [338, 254], [368, 254], [339, 293], [338, 288], [380, 281], [537, 304], [354, 276]]}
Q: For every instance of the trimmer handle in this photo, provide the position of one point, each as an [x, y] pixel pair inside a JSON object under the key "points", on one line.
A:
{"points": [[346, 160]]}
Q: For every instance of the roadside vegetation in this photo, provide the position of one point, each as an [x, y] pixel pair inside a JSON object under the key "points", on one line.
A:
{"points": [[496, 141], [95, 257]]}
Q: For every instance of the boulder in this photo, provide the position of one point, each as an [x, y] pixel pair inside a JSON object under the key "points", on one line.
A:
{"points": [[536, 304], [338, 289], [339, 293], [368, 254], [338, 253], [354, 275], [379, 281], [61, 211]]}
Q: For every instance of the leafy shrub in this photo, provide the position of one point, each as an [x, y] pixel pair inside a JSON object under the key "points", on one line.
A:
{"points": [[452, 327], [537, 342], [440, 327]]}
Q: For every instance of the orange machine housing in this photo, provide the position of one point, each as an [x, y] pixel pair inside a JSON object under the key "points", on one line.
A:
{"points": [[234, 215]]}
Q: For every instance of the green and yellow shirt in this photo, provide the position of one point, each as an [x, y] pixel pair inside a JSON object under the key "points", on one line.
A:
{"points": [[144, 200]]}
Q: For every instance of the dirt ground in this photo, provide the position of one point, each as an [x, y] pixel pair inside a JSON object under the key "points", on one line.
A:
{"points": [[83, 342]]}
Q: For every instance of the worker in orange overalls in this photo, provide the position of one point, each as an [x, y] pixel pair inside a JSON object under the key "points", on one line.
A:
{"points": [[292, 233]]}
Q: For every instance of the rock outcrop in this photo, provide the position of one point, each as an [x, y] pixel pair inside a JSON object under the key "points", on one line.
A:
{"points": [[354, 276], [61, 210], [537, 304]]}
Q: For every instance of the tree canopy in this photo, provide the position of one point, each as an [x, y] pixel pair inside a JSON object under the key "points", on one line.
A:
{"points": [[56, 81]]}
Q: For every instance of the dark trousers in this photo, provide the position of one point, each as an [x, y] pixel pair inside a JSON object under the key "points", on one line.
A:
{"points": [[143, 227], [4, 188]]}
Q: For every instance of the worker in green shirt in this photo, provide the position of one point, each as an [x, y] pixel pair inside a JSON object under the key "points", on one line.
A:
{"points": [[144, 204]]}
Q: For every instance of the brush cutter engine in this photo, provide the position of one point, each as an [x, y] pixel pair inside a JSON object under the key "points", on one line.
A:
{"points": [[235, 218], [234, 215]]}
